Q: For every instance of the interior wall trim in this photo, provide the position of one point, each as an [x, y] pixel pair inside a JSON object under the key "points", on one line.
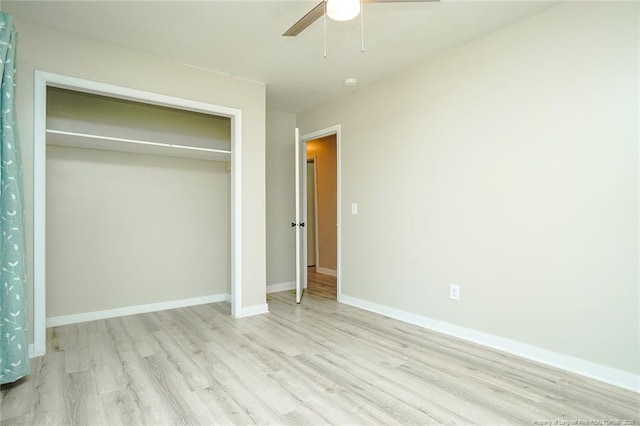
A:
{"points": [[274, 288], [253, 310], [326, 271], [603, 373], [133, 310]]}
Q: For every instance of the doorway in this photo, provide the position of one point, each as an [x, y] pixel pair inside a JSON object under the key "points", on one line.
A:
{"points": [[322, 215]]}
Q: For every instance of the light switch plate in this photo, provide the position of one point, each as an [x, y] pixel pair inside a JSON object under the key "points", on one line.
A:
{"points": [[454, 292], [354, 208]]}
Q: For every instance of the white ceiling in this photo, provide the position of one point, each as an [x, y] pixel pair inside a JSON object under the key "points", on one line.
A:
{"points": [[243, 38]]}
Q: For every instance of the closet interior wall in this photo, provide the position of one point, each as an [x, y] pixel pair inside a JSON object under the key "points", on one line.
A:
{"points": [[138, 201]]}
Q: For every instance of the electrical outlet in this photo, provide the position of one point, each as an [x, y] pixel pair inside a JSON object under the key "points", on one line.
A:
{"points": [[454, 292]]}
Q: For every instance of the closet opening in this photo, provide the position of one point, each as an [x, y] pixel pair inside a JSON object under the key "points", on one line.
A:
{"points": [[136, 204]]}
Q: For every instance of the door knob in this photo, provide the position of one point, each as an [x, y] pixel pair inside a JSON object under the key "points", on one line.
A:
{"points": [[293, 225]]}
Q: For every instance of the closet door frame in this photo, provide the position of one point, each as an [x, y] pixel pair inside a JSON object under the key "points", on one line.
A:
{"points": [[46, 79]]}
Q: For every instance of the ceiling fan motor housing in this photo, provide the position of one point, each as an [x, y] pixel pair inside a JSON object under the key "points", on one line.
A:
{"points": [[343, 10]]}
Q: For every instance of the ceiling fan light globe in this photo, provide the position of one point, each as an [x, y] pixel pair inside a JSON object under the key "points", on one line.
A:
{"points": [[343, 10]]}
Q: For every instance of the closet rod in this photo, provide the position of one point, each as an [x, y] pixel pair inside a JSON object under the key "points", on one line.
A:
{"points": [[135, 141]]}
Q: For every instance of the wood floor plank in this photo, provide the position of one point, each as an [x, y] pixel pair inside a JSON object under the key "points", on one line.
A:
{"points": [[319, 362], [122, 407], [321, 285], [224, 406], [83, 402]]}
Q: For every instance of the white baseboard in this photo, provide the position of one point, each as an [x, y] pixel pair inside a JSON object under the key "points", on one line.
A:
{"points": [[274, 288], [321, 270], [589, 369], [253, 310], [132, 310]]}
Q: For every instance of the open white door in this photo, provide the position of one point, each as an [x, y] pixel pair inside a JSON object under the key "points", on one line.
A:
{"points": [[301, 215]]}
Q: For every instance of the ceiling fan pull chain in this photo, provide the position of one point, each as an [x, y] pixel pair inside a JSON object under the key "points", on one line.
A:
{"points": [[324, 28], [362, 26]]}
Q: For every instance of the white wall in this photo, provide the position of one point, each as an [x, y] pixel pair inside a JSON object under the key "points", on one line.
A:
{"points": [[509, 166], [129, 229], [281, 249], [39, 49]]}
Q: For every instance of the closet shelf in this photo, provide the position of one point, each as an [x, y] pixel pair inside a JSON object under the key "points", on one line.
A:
{"points": [[108, 143]]}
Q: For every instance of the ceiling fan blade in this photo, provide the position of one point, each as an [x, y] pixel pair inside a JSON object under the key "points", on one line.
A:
{"points": [[305, 21]]}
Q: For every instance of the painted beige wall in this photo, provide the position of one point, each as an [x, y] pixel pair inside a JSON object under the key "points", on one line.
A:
{"points": [[39, 49], [324, 150], [129, 229], [509, 166], [281, 238]]}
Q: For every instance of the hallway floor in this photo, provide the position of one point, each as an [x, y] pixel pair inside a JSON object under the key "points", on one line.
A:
{"points": [[321, 285]]}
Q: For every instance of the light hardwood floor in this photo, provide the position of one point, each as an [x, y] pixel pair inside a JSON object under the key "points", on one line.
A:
{"points": [[315, 363], [321, 285]]}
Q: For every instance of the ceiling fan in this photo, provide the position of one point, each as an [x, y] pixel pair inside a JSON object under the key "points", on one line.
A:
{"points": [[338, 10]]}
